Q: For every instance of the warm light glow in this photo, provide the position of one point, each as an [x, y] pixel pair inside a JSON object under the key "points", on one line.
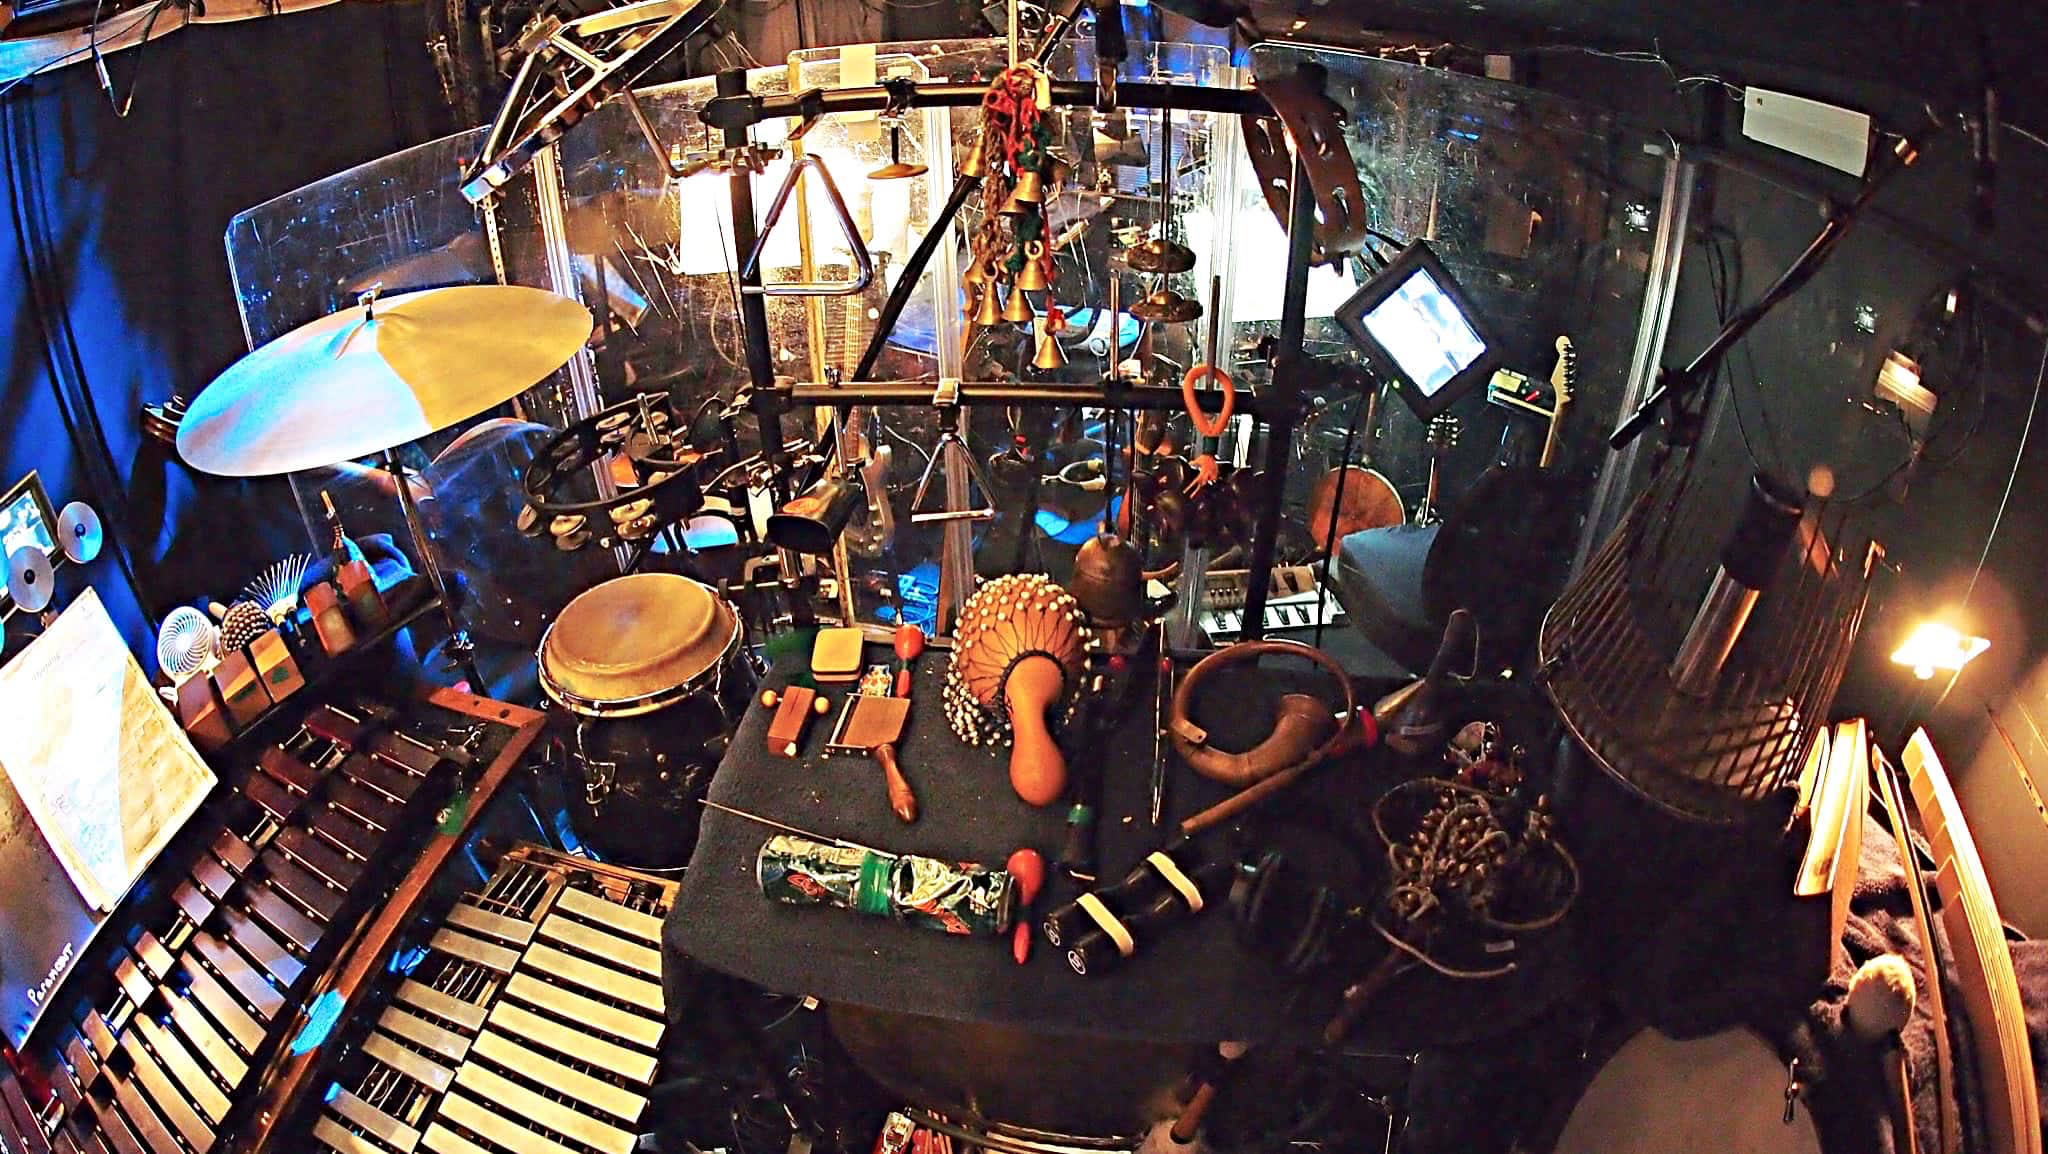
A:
{"points": [[1935, 646]]}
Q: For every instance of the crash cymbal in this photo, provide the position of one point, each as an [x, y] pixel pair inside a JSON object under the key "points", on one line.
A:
{"points": [[30, 583], [1160, 256], [79, 533], [344, 387]]}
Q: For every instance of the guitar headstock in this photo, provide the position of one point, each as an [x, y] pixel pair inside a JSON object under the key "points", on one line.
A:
{"points": [[1443, 435], [1564, 377]]}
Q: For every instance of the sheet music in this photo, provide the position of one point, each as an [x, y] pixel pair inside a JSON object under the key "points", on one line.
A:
{"points": [[99, 762]]}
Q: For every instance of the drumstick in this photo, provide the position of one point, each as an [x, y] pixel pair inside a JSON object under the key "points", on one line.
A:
{"points": [[1879, 1005]]}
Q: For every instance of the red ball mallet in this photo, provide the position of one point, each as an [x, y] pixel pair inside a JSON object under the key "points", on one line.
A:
{"points": [[909, 643], [1029, 871]]}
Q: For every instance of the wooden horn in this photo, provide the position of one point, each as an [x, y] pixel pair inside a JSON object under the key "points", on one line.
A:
{"points": [[1305, 731], [1038, 771]]}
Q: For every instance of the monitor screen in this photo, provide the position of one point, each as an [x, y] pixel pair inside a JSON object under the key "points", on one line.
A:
{"points": [[22, 525], [1423, 330]]}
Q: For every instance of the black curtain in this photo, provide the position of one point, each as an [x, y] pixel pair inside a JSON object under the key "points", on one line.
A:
{"points": [[115, 274]]}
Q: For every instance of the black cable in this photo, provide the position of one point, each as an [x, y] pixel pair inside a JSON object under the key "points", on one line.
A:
{"points": [[1336, 510]]}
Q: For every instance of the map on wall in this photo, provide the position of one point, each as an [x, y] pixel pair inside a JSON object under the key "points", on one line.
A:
{"points": [[97, 758]]}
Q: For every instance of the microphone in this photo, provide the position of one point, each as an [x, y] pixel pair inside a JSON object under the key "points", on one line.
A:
{"points": [[1747, 561], [1879, 1005]]}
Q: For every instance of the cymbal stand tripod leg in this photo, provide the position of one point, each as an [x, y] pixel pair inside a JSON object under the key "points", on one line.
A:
{"points": [[461, 650]]}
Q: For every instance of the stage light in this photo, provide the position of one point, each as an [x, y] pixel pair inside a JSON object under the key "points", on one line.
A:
{"points": [[1934, 646]]}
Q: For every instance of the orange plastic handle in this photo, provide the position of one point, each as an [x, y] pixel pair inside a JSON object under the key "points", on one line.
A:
{"points": [[1203, 424]]}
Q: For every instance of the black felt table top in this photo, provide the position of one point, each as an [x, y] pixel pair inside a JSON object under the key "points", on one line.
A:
{"points": [[1193, 983]]}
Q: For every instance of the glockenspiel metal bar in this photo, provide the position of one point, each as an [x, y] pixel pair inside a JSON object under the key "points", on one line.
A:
{"points": [[403, 1023], [471, 949], [599, 944], [476, 919], [554, 963], [442, 1140], [198, 1086], [383, 1126], [329, 864], [442, 1005], [592, 908], [343, 1141], [568, 1004], [299, 884], [574, 1043], [232, 1015], [253, 990], [544, 1112], [493, 1127], [267, 952], [411, 1063], [593, 1092], [169, 1101], [284, 917]]}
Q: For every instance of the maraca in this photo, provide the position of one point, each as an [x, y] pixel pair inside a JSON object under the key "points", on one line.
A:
{"points": [[1029, 869], [909, 643]]}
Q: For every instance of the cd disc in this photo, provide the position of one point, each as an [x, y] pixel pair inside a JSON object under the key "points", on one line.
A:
{"points": [[79, 533], [30, 582]]}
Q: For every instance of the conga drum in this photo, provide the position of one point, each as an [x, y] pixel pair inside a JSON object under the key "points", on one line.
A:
{"points": [[652, 673]]}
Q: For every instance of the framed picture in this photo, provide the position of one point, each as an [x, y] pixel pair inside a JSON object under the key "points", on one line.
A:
{"points": [[27, 521]]}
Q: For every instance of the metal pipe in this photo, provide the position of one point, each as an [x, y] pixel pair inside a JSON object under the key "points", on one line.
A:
{"points": [[459, 646], [741, 109], [1035, 393], [765, 403], [1286, 396]]}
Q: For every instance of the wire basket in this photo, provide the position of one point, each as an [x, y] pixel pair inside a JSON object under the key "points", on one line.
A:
{"points": [[1609, 644]]}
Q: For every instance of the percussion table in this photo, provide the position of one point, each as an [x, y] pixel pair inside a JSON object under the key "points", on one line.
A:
{"points": [[1191, 984]]}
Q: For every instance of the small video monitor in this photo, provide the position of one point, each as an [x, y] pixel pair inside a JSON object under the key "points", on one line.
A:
{"points": [[26, 520], [1418, 327]]}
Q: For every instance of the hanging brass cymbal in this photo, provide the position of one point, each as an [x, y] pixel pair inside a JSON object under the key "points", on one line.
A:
{"points": [[1016, 309], [896, 169], [1032, 276], [986, 311], [1166, 307], [1159, 255], [1048, 357]]}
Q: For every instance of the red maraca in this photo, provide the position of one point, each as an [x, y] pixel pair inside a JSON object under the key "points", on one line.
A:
{"points": [[909, 643], [1029, 870]]}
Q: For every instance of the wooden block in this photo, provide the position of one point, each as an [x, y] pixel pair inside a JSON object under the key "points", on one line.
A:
{"points": [[794, 709], [275, 666], [200, 712], [241, 691]]}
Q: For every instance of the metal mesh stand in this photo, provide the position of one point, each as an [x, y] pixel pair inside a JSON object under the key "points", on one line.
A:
{"points": [[1608, 643]]}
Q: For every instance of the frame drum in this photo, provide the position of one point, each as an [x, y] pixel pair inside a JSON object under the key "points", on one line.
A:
{"points": [[651, 672], [1724, 1094]]}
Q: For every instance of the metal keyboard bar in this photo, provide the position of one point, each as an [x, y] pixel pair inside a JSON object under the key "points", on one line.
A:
{"points": [[233, 1017], [364, 803], [256, 993], [258, 944], [343, 1141], [328, 863], [199, 1088], [598, 944], [628, 1064], [136, 1110], [401, 1023], [275, 799], [166, 1097], [284, 917], [300, 885], [596, 1093], [441, 1140], [14, 1109], [383, 1126], [344, 831], [153, 956], [476, 919], [568, 1004], [448, 1007], [412, 1064], [625, 920], [491, 957], [390, 781], [212, 1048], [510, 1095], [574, 970], [502, 1131], [212, 877], [288, 770], [234, 852], [65, 1087], [129, 977], [116, 1131], [195, 905]]}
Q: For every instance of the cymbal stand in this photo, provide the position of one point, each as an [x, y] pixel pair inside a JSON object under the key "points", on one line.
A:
{"points": [[461, 651]]}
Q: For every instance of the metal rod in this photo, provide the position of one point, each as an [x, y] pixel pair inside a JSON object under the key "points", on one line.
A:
{"points": [[767, 407], [1033, 393], [1286, 394], [741, 109], [459, 646]]}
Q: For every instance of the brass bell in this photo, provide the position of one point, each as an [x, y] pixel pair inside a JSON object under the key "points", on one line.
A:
{"points": [[975, 163], [1048, 357], [987, 312], [1167, 307], [1032, 276], [1030, 187], [977, 276], [1160, 255], [1016, 309]]}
